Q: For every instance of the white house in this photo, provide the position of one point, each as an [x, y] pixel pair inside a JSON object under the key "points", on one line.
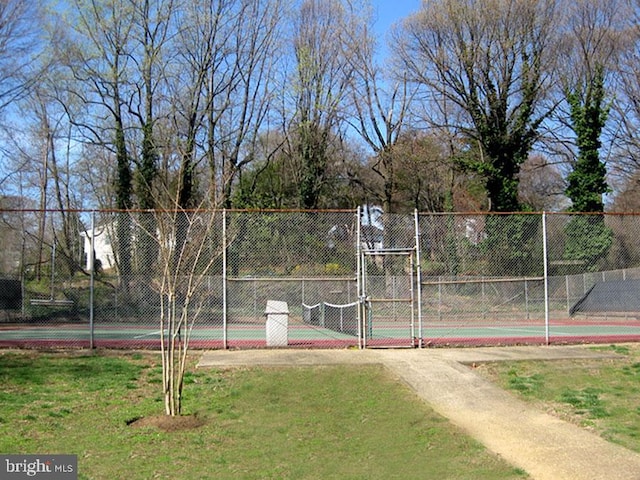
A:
{"points": [[102, 247]]}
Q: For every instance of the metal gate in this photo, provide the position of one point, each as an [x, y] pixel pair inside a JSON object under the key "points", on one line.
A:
{"points": [[390, 291]]}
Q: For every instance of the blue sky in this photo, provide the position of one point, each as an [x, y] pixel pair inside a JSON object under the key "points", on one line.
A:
{"points": [[390, 11]]}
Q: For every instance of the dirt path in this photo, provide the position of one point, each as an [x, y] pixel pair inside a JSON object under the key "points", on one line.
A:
{"points": [[546, 447]]}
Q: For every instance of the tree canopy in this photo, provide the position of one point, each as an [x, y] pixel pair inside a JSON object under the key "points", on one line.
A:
{"points": [[292, 104]]}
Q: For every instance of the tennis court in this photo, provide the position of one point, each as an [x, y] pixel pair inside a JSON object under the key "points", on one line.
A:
{"points": [[383, 333], [390, 281]]}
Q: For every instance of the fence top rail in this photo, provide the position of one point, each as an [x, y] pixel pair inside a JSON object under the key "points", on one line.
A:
{"points": [[275, 210], [482, 280], [291, 279], [491, 214], [168, 210]]}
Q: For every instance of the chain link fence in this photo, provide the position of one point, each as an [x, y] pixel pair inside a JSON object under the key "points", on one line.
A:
{"points": [[348, 278]]}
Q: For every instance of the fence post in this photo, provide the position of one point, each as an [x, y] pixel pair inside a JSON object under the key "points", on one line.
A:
{"points": [[362, 342], [224, 279], [23, 248], [439, 298], [526, 298], [546, 277], [418, 278], [92, 254]]}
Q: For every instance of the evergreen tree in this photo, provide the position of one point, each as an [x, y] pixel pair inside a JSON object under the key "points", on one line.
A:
{"points": [[588, 238], [587, 182]]}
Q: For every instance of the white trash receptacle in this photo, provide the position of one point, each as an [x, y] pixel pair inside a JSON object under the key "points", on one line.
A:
{"points": [[277, 313]]}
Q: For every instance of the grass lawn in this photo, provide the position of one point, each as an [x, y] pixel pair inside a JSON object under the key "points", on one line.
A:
{"points": [[343, 422], [602, 395]]}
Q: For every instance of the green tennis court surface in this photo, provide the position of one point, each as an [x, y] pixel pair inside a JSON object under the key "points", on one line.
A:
{"points": [[398, 333]]}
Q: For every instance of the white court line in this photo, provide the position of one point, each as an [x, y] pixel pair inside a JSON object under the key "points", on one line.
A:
{"points": [[159, 332], [538, 332]]}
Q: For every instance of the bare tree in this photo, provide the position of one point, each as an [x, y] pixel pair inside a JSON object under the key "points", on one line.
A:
{"points": [[626, 109], [151, 33], [240, 89], [493, 60], [541, 184], [198, 43], [182, 271], [57, 168], [380, 104], [20, 49], [96, 47], [21, 62], [323, 72]]}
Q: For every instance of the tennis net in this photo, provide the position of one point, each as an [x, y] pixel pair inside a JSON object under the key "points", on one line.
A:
{"points": [[312, 314], [339, 318]]}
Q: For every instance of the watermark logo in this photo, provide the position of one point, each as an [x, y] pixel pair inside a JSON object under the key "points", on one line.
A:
{"points": [[50, 467]]}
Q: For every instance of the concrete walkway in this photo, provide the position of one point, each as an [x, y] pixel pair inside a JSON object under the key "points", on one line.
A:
{"points": [[541, 444]]}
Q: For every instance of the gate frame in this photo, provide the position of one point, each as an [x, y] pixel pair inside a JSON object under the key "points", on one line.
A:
{"points": [[365, 300]]}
